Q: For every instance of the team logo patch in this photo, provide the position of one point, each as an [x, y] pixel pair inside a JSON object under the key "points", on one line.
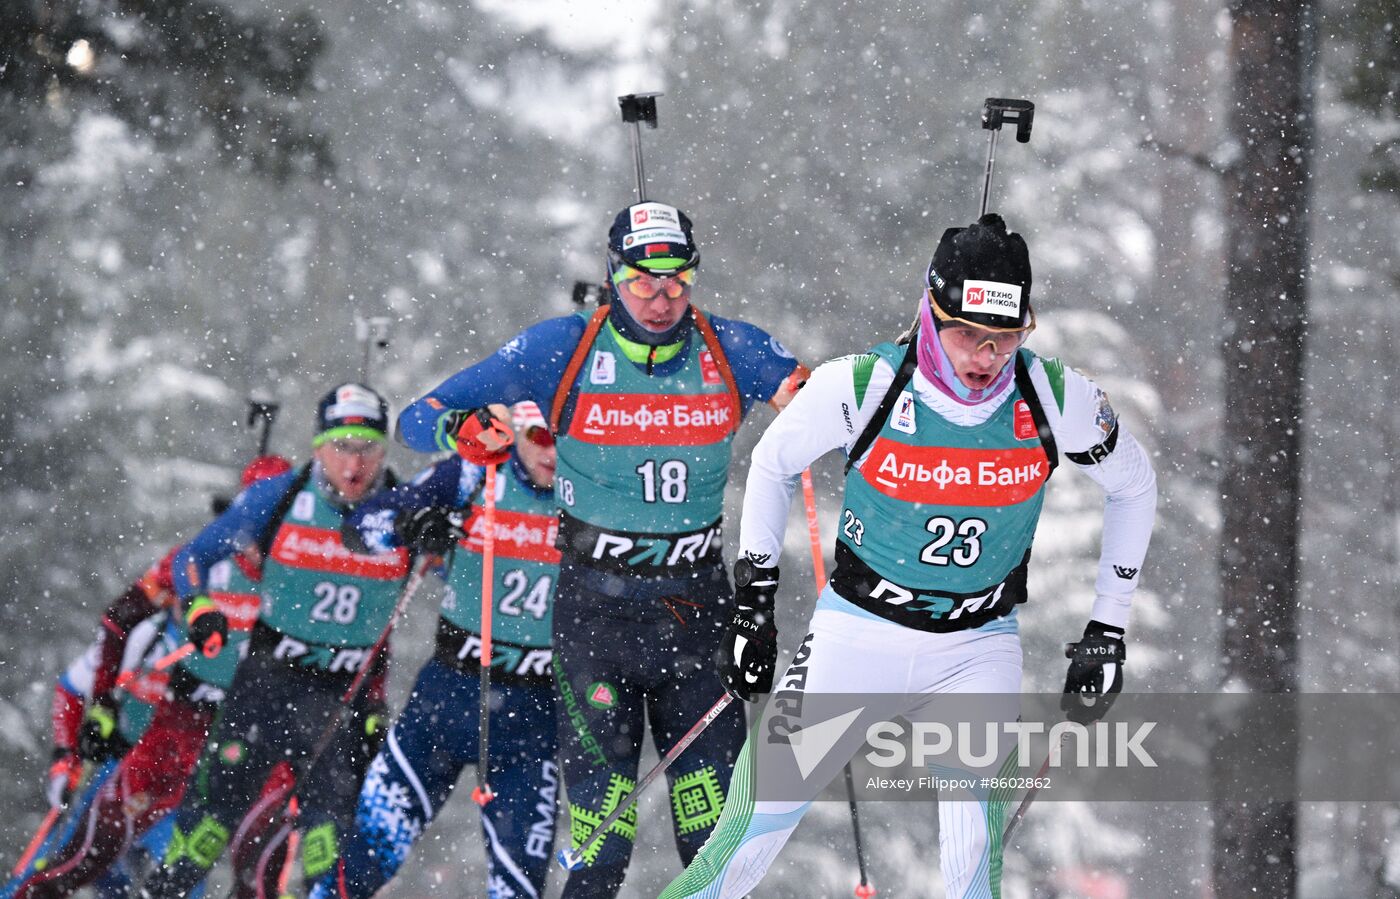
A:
{"points": [[1023, 423], [709, 371], [992, 298], [904, 413], [1104, 416], [232, 752], [601, 695], [604, 368]]}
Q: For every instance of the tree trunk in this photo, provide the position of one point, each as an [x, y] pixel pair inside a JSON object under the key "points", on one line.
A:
{"points": [[1271, 48]]}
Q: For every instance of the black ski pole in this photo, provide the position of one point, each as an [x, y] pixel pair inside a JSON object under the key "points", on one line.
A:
{"points": [[995, 112], [864, 890], [636, 109]]}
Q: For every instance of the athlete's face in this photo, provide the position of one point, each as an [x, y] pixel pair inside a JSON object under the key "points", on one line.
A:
{"points": [[352, 466], [535, 447], [656, 303], [978, 354]]}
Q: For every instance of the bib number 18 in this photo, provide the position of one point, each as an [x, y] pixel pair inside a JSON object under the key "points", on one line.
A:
{"points": [[669, 487]]}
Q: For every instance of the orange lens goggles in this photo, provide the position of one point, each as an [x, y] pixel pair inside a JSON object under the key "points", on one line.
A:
{"points": [[645, 286]]}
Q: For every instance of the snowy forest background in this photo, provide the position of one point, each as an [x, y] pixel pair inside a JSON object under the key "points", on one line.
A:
{"points": [[199, 210]]}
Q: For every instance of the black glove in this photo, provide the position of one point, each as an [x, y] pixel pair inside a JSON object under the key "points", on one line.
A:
{"points": [[749, 654], [1095, 673], [207, 626], [99, 738], [432, 529]]}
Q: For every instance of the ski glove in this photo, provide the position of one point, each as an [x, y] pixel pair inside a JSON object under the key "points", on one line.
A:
{"points": [[208, 628], [63, 777], [432, 530], [1095, 673], [479, 437], [98, 738], [749, 654]]}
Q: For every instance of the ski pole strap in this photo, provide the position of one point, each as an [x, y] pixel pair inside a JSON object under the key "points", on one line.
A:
{"points": [[877, 421]]}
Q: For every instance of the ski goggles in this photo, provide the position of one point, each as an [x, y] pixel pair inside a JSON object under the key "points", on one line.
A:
{"points": [[645, 286], [354, 446], [539, 437], [967, 337]]}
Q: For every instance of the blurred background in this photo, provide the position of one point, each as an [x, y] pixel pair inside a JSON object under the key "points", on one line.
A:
{"points": [[198, 198]]}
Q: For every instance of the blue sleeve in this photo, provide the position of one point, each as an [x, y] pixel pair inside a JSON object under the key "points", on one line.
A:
{"points": [[759, 361], [450, 483], [239, 527], [529, 367]]}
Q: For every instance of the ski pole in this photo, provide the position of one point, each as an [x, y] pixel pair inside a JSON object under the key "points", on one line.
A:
{"points": [[863, 889], [483, 794], [284, 876], [809, 497], [410, 587], [636, 109], [572, 860], [1026, 801], [814, 531], [39, 836], [162, 663], [995, 112]]}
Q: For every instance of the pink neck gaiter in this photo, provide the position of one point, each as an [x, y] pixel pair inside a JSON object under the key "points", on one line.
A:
{"points": [[938, 368]]}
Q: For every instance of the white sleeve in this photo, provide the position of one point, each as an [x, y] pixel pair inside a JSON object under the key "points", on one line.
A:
{"points": [[1084, 422], [826, 414], [81, 673]]}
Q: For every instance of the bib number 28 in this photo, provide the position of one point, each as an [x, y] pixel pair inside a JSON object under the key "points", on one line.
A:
{"points": [[336, 603]]}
